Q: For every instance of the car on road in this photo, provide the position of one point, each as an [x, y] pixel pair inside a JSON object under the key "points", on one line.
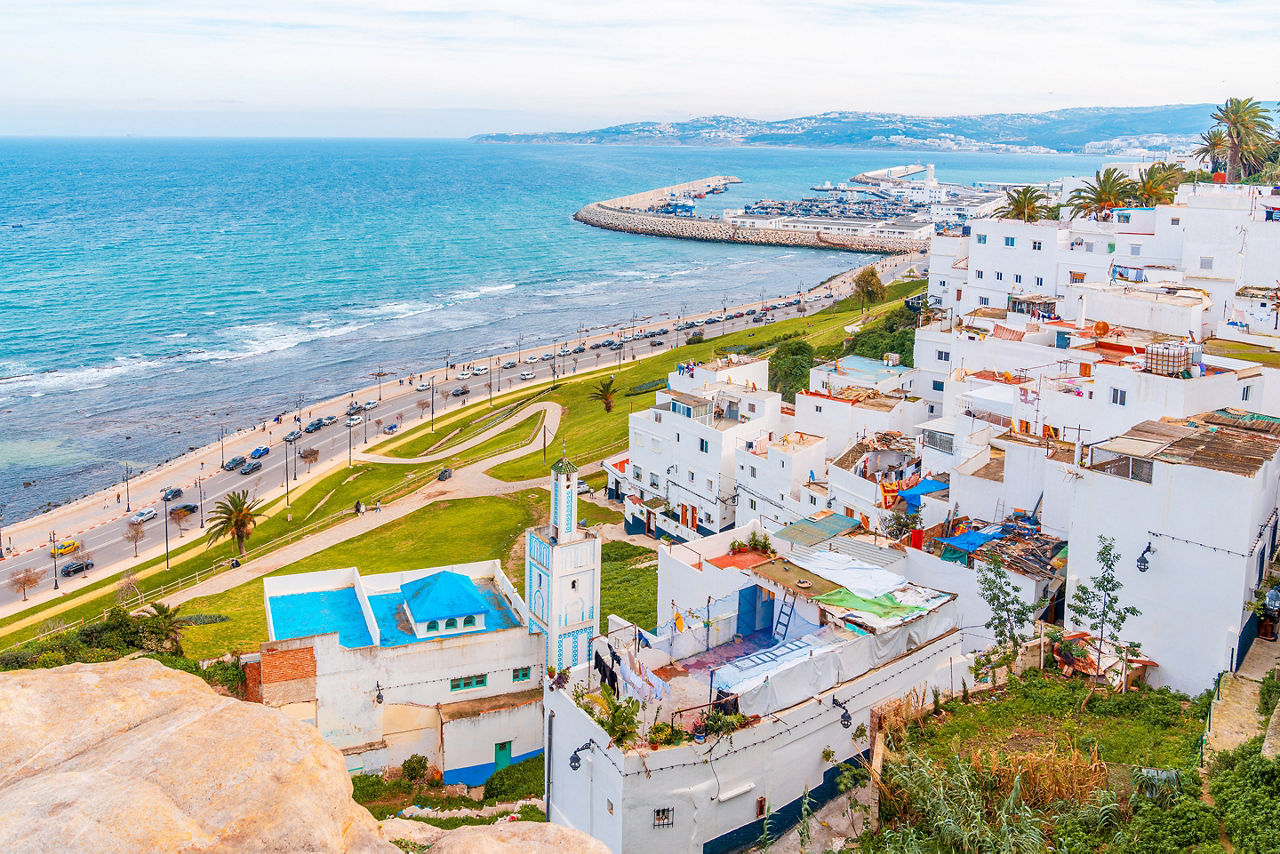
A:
{"points": [[759, 318], [423, 386], [293, 436], [531, 359], [751, 311], [355, 421], [595, 346], [608, 342], [172, 493], [146, 514], [64, 547], [251, 467], [771, 320], [75, 567], [740, 314], [563, 351], [259, 452], [370, 404], [465, 375], [445, 474], [460, 391], [353, 408], [506, 366], [526, 375], [481, 371], [314, 426], [657, 342], [233, 463], [390, 428], [329, 419], [578, 349], [547, 357], [182, 511], [710, 320]]}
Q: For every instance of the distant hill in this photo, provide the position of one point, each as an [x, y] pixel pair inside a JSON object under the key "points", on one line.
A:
{"points": [[1097, 128]]}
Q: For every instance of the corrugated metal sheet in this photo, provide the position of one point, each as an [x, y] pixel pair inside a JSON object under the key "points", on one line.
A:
{"points": [[808, 532], [858, 550]]}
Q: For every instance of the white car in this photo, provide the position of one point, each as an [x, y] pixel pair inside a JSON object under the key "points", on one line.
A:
{"points": [[531, 360], [526, 375], [465, 375], [564, 351], [144, 515], [355, 421], [370, 404], [424, 386], [547, 357], [627, 337], [481, 371]]}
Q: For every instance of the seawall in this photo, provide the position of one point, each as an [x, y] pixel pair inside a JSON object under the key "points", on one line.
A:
{"points": [[627, 214]]}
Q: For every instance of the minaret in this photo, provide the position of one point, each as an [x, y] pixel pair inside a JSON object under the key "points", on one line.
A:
{"points": [[562, 575]]}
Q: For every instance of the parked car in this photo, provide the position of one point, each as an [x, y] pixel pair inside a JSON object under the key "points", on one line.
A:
{"points": [[751, 311], [390, 428], [531, 359], [465, 375], [526, 375], [460, 391], [314, 426], [608, 342], [65, 547], [233, 463], [182, 511], [146, 514], [75, 567], [353, 408], [445, 474], [172, 493], [259, 452], [251, 467], [595, 346], [578, 349], [506, 366], [657, 342], [740, 314], [370, 404], [329, 419], [355, 421], [563, 351], [293, 436], [759, 318], [547, 357], [584, 487], [481, 371], [423, 386]]}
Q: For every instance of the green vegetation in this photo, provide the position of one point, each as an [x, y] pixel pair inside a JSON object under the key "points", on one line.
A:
{"points": [[628, 584], [234, 516], [451, 430], [520, 780], [894, 332], [528, 812], [1029, 204], [789, 368], [1246, 789]]}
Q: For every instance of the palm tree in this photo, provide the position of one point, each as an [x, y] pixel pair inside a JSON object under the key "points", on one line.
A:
{"points": [[1157, 184], [234, 516], [1214, 149], [1025, 203], [1247, 125], [168, 625], [1110, 189], [604, 392]]}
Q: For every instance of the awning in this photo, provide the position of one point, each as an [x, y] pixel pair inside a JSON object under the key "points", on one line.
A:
{"points": [[924, 487]]}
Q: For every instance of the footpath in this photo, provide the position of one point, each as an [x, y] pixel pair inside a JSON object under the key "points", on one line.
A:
{"points": [[1234, 718]]}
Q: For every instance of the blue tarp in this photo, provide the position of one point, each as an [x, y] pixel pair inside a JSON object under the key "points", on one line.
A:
{"points": [[924, 487], [970, 541]]}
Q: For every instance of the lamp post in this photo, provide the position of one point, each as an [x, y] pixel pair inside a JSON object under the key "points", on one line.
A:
{"points": [[2, 506], [348, 443], [222, 447], [53, 550], [165, 498], [446, 365], [433, 404], [380, 374], [128, 472], [200, 490]]}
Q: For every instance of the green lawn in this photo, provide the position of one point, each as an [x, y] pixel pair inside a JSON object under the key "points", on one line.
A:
{"points": [[453, 430], [1240, 350], [436, 535], [628, 585], [515, 436]]}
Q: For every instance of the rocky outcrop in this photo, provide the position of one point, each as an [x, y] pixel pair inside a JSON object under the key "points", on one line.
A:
{"points": [[718, 231], [133, 756], [518, 837]]}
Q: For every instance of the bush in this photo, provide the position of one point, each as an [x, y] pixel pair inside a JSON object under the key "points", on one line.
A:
{"points": [[206, 619], [1188, 822], [789, 368], [521, 780], [695, 338], [1246, 788], [414, 768], [50, 659], [1268, 695], [652, 385]]}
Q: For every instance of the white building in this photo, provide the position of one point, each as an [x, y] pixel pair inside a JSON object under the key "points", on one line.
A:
{"points": [[801, 656]]}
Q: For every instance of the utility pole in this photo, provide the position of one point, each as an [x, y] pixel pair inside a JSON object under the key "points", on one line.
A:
{"points": [[128, 507], [53, 550], [433, 404], [348, 446], [200, 490]]}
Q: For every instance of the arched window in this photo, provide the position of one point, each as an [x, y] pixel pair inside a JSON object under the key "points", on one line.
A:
{"points": [[468, 622], [433, 626], [450, 623]]}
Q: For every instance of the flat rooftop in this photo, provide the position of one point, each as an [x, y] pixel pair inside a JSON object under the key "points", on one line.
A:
{"points": [[863, 370], [1226, 440]]}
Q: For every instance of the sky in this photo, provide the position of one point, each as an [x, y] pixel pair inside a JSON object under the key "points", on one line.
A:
{"points": [[458, 67]]}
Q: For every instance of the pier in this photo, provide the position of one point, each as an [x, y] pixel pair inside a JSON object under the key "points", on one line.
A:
{"points": [[630, 214]]}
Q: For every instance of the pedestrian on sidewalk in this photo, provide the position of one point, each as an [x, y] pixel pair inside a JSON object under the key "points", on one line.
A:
{"points": [[377, 506], [117, 498], [357, 507]]}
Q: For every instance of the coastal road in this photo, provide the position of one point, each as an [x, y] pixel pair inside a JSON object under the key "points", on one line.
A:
{"points": [[100, 521]]}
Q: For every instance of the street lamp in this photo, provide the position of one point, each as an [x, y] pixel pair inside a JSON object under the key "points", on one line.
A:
{"points": [[200, 489], [221, 444], [2, 506], [165, 498], [53, 550], [348, 443], [380, 374], [128, 472]]}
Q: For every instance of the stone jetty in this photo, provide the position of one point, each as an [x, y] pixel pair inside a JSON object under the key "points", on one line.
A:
{"points": [[629, 214]]}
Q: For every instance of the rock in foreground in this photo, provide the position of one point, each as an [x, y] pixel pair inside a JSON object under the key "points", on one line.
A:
{"points": [[133, 756], [517, 837]]}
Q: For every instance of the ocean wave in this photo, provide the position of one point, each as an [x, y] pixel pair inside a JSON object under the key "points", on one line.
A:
{"points": [[482, 291]]}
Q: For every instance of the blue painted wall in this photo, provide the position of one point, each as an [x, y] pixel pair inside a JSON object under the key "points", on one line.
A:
{"points": [[475, 775]]}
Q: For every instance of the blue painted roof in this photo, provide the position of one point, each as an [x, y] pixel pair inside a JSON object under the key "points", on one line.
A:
{"points": [[300, 615], [442, 595]]}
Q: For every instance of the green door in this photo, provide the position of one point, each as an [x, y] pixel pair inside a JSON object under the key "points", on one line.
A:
{"points": [[501, 755]]}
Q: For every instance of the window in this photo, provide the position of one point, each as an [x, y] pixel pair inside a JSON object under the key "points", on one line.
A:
{"points": [[1244, 392], [751, 407], [653, 478], [609, 803], [691, 477], [938, 385], [1008, 241], [468, 622], [978, 273], [710, 485], [657, 418], [999, 276], [433, 626], [1118, 396], [762, 804], [573, 585], [813, 499], [944, 356], [1111, 247], [958, 292], [1206, 263], [677, 438], [1135, 249], [1036, 245], [817, 409], [944, 442], [451, 623], [1175, 220], [1039, 281], [1017, 278], [1122, 465], [753, 471], [520, 674], [1124, 217], [467, 682], [664, 817], [703, 445], [982, 238], [984, 300], [635, 472], [751, 502], [1077, 278]]}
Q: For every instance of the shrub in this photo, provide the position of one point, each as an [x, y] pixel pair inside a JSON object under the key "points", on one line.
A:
{"points": [[50, 659], [1188, 822], [206, 619], [1268, 695], [652, 385], [1246, 788], [414, 768], [520, 780], [695, 338]]}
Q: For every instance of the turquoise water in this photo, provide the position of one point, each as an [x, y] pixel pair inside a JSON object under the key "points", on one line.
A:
{"points": [[153, 289]]}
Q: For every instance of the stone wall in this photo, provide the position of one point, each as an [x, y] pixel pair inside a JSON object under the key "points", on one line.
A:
{"points": [[688, 228]]}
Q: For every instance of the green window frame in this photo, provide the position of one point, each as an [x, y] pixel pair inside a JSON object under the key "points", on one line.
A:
{"points": [[465, 683], [433, 626], [468, 622], [451, 623], [520, 674]]}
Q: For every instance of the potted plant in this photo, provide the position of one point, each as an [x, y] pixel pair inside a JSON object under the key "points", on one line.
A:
{"points": [[737, 546], [700, 729]]}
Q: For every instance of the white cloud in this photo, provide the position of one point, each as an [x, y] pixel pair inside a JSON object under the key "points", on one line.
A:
{"points": [[628, 60]]}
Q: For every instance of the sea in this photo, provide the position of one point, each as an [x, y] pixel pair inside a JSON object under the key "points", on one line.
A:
{"points": [[155, 291]]}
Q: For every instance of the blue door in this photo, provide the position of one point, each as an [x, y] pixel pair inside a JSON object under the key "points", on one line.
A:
{"points": [[747, 597], [501, 755]]}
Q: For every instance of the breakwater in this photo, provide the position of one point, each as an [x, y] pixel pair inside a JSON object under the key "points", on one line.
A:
{"points": [[628, 214]]}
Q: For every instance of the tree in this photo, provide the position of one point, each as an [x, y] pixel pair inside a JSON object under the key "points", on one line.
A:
{"points": [[694, 338], [1157, 184], [1028, 204], [423, 405], [1010, 612], [127, 587], [1247, 127], [309, 456], [22, 580], [82, 554], [134, 533], [1213, 149], [604, 392], [166, 626], [1096, 605], [867, 286], [789, 368], [1110, 189], [235, 516], [377, 422]]}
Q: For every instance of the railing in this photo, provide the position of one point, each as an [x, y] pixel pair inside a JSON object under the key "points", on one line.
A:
{"points": [[48, 633], [1208, 721]]}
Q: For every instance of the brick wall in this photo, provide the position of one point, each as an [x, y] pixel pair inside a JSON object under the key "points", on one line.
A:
{"points": [[288, 675], [253, 681]]}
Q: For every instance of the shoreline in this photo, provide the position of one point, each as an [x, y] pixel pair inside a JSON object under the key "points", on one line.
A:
{"points": [[163, 471]]}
